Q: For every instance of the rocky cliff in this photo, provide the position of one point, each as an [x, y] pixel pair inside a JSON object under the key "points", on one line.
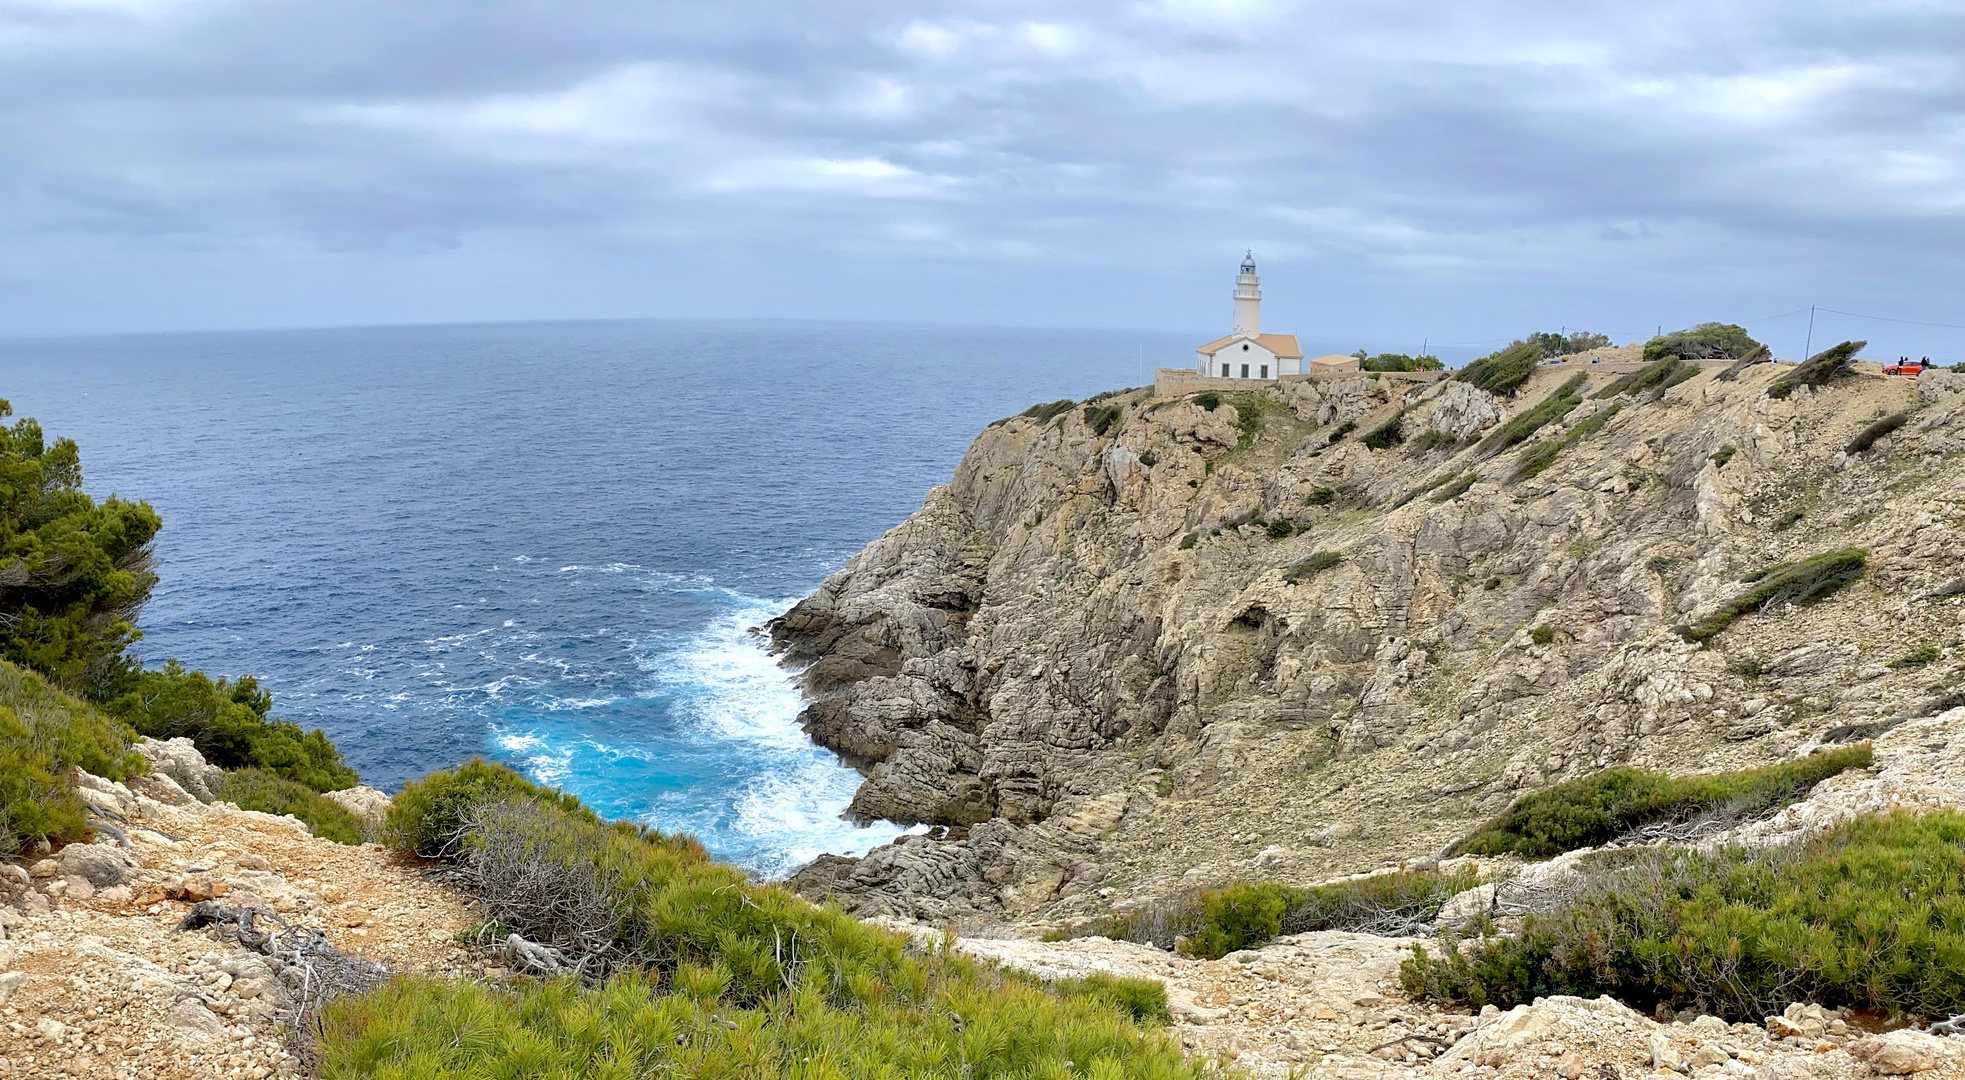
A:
{"points": [[1145, 645]]}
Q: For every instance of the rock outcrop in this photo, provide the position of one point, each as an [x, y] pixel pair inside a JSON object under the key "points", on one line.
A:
{"points": [[1104, 663]]}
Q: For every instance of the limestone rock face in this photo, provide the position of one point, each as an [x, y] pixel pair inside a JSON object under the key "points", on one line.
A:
{"points": [[1107, 666], [97, 864], [1899, 1053], [364, 802], [178, 760]]}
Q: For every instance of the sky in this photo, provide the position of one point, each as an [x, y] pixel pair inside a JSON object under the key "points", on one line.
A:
{"points": [[1407, 173]]}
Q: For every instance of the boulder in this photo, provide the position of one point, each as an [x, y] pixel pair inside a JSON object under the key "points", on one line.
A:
{"points": [[99, 865], [1899, 1053], [181, 761], [193, 1019], [13, 876], [162, 789], [364, 802]]}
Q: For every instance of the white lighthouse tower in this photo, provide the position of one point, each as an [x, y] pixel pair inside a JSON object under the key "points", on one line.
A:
{"points": [[1247, 352]]}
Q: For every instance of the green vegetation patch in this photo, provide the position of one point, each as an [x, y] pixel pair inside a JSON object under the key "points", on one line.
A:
{"points": [[1208, 400], [44, 733], [707, 973], [1399, 362], [1759, 355], [1869, 914], [1808, 581], [1723, 455], [1045, 412], [1458, 487], [1657, 376], [1554, 343], [1501, 372], [1831, 363], [1386, 435], [1604, 806], [1245, 916], [1868, 437], [1924, 654], [1706, 341], [1307, 568], [1538, 458], [1554, 407], [1100, 418], [1337, 433], [230, 724], [257, 789]]}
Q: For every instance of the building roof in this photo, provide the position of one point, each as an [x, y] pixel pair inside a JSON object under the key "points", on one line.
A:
{"points": [[1283, 345], [1335, 360]]}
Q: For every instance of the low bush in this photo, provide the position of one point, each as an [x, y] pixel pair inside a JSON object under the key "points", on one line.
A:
{"points": [[1386, 435], [1502, 371], [1706, 341], [706, 973], [1305, 569], [1808, 581], [1538, 458], [1658, 376], [1458, 487], [1144, 1000], [1187, 542], [45, 733], [430, 816], [229, 723], [1604, 806], [1543, 634], [1723, 455], [1337, 433], [1434, 440], [257, 789], [1869, 914], [1208, 400], [1758, 355], [1867, 437], [1100, 418], [1222, 921], [1831, 363], [1278, 528], [1557, 405], [1044, 412], [1322, 496], [1918, 657]]}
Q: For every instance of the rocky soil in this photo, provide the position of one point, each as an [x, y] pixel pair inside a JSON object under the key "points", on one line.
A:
{"points": [[97, 981], [1095, 664]]}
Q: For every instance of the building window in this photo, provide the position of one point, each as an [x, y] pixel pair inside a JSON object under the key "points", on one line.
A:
{"points": [[1245, 346], [1265, 371], [1245, 371], [1224, 371]]}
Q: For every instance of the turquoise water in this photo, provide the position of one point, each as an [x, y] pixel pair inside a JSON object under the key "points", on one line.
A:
{"points": [[545, 543]]}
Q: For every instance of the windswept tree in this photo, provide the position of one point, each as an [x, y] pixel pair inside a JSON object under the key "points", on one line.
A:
{"points": [[73, 572]]}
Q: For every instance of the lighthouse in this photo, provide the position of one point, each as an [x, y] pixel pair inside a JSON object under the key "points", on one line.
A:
{"points": [[1247, 352]]}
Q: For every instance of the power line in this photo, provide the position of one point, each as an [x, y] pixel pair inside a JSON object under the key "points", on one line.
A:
{"points": [[1886, 318]]}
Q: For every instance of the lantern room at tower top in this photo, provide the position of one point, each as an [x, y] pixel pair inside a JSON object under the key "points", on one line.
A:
{"points": [[1247, 352]]}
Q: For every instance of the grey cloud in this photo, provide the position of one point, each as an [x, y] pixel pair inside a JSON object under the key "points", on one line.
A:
{"points": [[1461, 164]]}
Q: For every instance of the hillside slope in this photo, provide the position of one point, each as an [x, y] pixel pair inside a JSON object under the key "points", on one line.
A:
{"points": [[1109, 659]]}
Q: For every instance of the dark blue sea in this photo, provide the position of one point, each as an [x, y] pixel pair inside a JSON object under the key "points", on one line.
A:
{"points": [[544, 542]]}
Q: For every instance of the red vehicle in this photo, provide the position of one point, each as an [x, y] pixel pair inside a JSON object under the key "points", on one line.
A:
{"points": [[1906, 366]]}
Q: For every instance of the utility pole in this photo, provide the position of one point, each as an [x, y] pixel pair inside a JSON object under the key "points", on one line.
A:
{"points": [[1811, 333]]}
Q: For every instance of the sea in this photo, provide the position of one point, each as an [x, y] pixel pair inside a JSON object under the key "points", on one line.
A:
{"points": [[550, 544]]}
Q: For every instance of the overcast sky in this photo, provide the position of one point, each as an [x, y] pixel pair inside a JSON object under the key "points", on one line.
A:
{"points": [[1405, 172]]}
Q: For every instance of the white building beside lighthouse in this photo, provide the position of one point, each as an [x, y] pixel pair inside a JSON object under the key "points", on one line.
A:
{"points": [[1247, 352]]}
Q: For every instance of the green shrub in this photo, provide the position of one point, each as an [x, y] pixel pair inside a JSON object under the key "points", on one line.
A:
{"points": [[1279, 528], [1307, 568], [711, 974], [1244, 916], [1706, 341], [1918, 657], [1238, 917], [1757, 355], [229, 723], [1492, 583], [76, 570], [1100, 418], [1434, 440], [1819, 369], [1869, 435], [44, 733], [1337, 433], [1604, 806], [1576, 341], [1045, 412], [1808, 581], [1658, 376], [1543, 634], [1869, 914], [1723, 455], [1502, 371], [429, 816], [1386, 435], [1208, 400], [257, 789], [1322, 496], [1250, 418], [1452, 491], [1187, 542], [1144, 1000], [1557, 405]]}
